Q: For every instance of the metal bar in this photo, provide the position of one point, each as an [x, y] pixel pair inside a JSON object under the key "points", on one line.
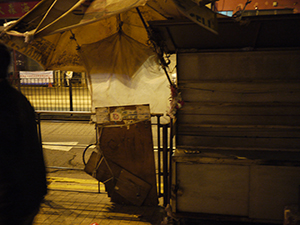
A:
{"points": [[165, 163], [159, 54], [71, 95], [64, 112], [39, 128], [159, 157], [170, 159]]}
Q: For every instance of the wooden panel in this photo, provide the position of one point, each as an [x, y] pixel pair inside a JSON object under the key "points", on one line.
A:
{"points": [[127, 165], [236, 131], [236, 142], [132, 188], [271, 189], [102, 169], [201, 113], [217, 184], [280, 91], [217, 189], [247, 109], [270, 65], [244, 137], [256, 138], [247, 100], [131, 148], [239, 120], [245, 105]]}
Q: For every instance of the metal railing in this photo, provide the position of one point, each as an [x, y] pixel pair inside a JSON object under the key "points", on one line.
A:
{"points": [[164, 159], [68, 98], [59, 94], [163, 148]]}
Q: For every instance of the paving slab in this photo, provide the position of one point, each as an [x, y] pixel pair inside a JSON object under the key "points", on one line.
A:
{"points": [[84, 208]]}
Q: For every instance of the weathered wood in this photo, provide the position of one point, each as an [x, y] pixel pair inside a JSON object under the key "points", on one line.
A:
{"points": [[132, 188], [245, 132], [131, 148], [125, 158], [248, 65], [239, 120], [244, 106], [240, 106], [266, 188], [102, 169], [228, 195], [282, 91], [234, 142], [220, 184], [250, 108]]}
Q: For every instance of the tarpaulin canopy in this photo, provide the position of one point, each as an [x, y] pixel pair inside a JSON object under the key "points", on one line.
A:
{"points": [[108, 39], [53, 32]]}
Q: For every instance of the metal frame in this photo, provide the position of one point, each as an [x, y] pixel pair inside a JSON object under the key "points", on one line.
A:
{"points": [[164, 150]]}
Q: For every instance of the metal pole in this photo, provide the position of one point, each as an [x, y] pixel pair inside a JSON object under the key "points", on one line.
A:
{"points": [[170, 159], [71, 95], [160, 56], [158, 156], [39, 127], [165, 163]]}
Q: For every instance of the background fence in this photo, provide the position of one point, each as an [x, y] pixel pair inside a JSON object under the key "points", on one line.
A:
{"points": [[58, 94]]}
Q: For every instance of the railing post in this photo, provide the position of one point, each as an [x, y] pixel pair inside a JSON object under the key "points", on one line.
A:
{"points": [[19, 81], [71, 95], [170, 158], [39, 127], [158, 156], [165, 163]]}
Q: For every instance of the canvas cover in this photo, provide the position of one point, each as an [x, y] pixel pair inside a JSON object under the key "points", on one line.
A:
{"points": [[107, 39], [148, 86], [53, 32]]}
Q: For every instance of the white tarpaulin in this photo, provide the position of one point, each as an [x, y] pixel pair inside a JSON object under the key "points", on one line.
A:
{"points": [[107, 39], [149, 85], [53, 32]]}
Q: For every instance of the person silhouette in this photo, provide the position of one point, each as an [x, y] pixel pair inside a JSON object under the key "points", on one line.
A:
{"points": [[22, 168]]}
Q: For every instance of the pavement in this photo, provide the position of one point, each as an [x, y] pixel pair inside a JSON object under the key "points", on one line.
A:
{"points": [[75, 207], [75, 197]]}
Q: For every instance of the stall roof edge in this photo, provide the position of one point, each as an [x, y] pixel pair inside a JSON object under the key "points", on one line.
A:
{"points": [[252, 32]]}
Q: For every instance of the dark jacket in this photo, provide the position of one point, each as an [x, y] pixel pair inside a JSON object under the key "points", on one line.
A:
{"points": [[22, 167]]}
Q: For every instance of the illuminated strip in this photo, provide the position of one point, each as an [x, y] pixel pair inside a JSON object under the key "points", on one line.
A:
{"points": [[73, 184], [61, 146]]}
